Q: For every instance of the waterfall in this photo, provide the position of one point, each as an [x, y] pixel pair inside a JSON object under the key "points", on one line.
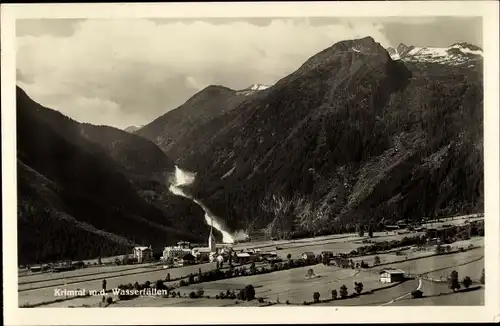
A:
{"points": [[183, 178]]}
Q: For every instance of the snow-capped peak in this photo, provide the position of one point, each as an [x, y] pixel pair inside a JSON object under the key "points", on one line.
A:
{"points": [[252, 89], [257, 87], [467, 48], [456, 54]]}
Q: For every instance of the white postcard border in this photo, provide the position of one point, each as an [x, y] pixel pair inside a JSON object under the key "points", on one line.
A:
{"points": [[307, 315]]}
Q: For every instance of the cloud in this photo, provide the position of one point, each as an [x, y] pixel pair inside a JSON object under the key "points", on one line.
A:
{"points": [[122, 72], [59, 27]]}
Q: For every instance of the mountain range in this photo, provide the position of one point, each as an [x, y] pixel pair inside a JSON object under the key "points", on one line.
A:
{"points": [[457, 54], [356, 135]]}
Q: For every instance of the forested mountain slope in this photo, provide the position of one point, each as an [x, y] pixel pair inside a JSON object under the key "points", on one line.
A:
{"points": [[351, 137], [85, 190]]}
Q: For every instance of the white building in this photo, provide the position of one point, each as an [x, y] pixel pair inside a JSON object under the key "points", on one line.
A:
{"points": [[143, 254], [308, 255], [391, 275], [175, 252]]}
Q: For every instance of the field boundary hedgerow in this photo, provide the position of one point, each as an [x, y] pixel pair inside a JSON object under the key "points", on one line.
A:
{"points": [[423, 257], [425, 277], [94, 279], [354, 295], [83, 275]]}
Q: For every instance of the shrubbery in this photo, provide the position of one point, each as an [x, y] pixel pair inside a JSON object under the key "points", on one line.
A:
{"points": [[417, 294], [316, 296], [454, 284], [343, 291], [467, 282]]}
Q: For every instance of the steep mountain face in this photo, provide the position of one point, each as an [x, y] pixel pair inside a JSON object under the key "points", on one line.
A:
{"points": [[176, 131], [136, 154], [351, 137], [83, 190], [458, 54]]}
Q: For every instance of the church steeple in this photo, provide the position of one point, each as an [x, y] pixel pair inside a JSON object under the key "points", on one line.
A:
{"points": [[211, 238]]}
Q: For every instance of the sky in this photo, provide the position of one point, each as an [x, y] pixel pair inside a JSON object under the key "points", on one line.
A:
{"points": [[129, 72]]}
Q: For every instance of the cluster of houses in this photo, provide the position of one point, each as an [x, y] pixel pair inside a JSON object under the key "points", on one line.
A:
{"points": [[62, 266], [186, 254]]}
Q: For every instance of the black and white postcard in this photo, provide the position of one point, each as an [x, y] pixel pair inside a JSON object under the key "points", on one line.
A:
{"points": [[250, 158]]}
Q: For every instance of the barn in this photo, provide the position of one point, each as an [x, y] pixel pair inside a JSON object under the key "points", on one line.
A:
{"points": [[392, 275]]}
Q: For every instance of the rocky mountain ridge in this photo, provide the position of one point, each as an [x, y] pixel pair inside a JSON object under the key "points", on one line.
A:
{"points": [[457, 54]]}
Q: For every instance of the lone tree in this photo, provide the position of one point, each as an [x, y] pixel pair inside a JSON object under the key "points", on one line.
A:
{"points": [[417, 294], [168, 277], [454, 283], [467, 282], [241, 294], [316, 296], [159, 285], [376, 260], [358, 287], [310, 272], [334, 294], [253, 270], [343, 291], [289, 256], [482, 277], [360, 230], [249, 292], [370, 231]]}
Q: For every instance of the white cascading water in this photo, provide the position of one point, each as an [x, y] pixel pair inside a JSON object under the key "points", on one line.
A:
{"points": [[182, 178]]}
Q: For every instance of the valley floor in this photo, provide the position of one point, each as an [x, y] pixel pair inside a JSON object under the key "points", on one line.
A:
{"points": [[278, 287]]}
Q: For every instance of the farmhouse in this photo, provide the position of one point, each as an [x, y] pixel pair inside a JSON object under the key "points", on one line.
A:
{"points": [[187, 259], [63, 266], [270, 257], [143, 254], [243, 257], [38, 268], [328, 254], [308, 255], [391, 275], [273, 259]]}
